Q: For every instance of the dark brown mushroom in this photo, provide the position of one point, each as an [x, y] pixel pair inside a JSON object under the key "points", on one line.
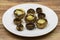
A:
{"points": [[41, 15], [20, 27], [31, 11], [30, 26], [17, 21], [39, 10]]}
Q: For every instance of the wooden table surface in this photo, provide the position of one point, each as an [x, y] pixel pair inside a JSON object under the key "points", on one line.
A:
{"points": [[53, 4]]}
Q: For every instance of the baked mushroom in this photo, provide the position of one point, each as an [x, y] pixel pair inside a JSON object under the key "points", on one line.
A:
{"points": [[20, 27], [30, 26], [30, 18], [19, 13], [17, 21], [41, 23], [41, 15], [39, 10], [31, 11]]}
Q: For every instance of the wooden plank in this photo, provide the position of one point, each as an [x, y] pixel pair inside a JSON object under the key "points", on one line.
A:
{"points": [[6, 4]]}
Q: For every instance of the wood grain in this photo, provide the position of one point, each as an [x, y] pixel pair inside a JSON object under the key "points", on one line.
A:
{"points": [[6, 4]]}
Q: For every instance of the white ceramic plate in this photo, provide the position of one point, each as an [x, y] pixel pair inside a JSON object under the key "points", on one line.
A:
{"points": [[10, 26]]}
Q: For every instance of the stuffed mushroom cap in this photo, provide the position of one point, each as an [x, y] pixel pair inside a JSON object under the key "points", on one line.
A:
{"points": [[30, 18], [19, 13], [41, 23]]}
